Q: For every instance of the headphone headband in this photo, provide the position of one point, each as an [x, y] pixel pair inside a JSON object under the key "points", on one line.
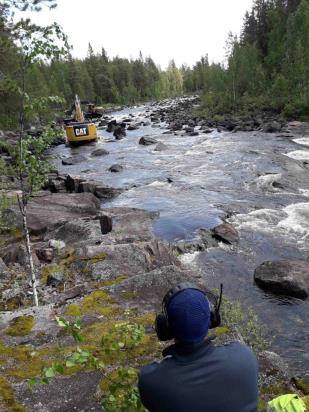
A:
{"points": [[177, 289]]}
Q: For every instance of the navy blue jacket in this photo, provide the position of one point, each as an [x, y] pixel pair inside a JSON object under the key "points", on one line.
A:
{"points": [[201, 378]]}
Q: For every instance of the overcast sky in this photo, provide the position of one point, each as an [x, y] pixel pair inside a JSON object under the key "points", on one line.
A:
{"points": [[165, 29]]}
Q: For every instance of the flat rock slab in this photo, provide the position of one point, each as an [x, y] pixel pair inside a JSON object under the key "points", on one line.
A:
{"points": [[49, 211], [284, 277], [65, 394]]}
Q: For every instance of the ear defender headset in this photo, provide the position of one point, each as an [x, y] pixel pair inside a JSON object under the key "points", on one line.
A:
{"points": [[162, 327]]}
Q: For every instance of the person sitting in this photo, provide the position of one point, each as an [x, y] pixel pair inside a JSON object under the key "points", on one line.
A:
{"points": [[194, 374]]}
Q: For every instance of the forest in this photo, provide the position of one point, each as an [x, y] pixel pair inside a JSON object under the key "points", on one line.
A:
{"points": [[266, 67]]}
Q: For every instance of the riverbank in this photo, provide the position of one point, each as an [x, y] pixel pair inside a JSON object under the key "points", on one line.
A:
{"points": [[108, 264]]}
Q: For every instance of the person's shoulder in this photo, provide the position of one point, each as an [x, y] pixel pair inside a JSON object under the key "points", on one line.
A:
{"points": [[237, 349], [154, 367]]}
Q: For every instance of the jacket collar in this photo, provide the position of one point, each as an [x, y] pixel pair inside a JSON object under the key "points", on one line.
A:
{"points": [[187, 353]]}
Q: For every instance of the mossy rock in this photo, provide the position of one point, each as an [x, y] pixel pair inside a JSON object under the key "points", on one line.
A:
{"points": [[7, 399], [302, 385], [20, 326]]}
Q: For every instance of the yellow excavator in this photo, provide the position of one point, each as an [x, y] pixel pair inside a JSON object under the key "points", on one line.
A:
{"points": [[78, 129]]}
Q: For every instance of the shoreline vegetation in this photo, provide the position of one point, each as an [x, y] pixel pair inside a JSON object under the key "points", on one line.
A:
{"points": [[266, 69], [100, 273]]}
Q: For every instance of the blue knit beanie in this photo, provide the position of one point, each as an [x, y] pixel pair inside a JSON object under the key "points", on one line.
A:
{"points": [[189, 316]]}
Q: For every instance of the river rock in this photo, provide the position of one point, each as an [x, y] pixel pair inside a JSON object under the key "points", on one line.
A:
{"points": [[116, 168], [284, 277], [226, 233], [48, 211], [133, 127], [120, 132], [194, 134], [111, 126], [106, 192], [99, 152], [271, 127], [147, 140], [73, 160]]}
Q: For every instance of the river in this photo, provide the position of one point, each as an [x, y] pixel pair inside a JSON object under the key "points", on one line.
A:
{"points": [[194, 182]]}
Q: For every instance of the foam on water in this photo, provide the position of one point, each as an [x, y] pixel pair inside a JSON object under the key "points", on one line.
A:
{"points": [[291, 223], [299, 155], [189, 258], [302, 140], [266, 182]]}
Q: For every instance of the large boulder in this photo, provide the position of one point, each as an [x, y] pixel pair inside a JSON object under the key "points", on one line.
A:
{"points": [[120, 132], [147, 140], [116, 168], [226, 233], [49, 211], [285, 277], [272, 127]]}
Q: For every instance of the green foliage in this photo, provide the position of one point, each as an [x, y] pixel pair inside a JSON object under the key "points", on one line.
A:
{"points": [[267, 67], [246, 322]]}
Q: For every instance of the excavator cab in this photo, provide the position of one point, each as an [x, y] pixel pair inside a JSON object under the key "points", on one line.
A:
{"points": [[78, 129]]}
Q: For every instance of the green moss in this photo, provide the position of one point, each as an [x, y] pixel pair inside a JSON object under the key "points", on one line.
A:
{"points": [[7, 399], [21, 326], [128, 295], [48, 270], [302, 385], [221, 330], [262, 405], [73, 310], [112, 282], [278, 389]]}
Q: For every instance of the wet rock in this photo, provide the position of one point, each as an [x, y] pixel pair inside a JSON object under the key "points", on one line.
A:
{"points": [[284, 277], [174, 126], [72, 183], [56, 184], [86, 187], [116, 168], [189, 129], [48, 211], [99, 152], [194, 134], [106, 192], [271, 127], [74, 160], [133, 127], [106, 223], [226, 233], [120, 132], [111, 126], [147, 140], [160, 147]]}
